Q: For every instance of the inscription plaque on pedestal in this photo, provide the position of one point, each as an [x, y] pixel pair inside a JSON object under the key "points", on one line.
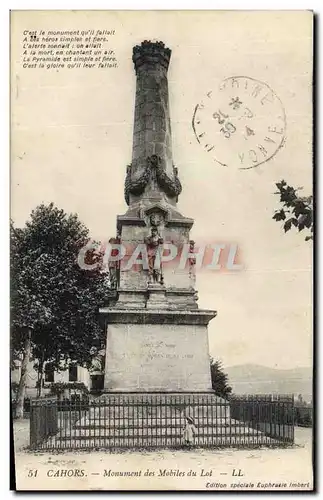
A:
{"points": [[157, 358]]}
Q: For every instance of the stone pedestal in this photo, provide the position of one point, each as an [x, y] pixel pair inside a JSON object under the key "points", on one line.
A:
{"points": [[156, 297], [156, 350]]}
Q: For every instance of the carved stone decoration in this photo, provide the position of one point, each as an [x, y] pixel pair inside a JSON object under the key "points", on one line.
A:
{"points": [[156, 219], [113, 278], [156, 215], [98, 360], [151, 53], [155, 172], [136, 186], [172, 187], [192, 262], [113, 265], [153, 243]]}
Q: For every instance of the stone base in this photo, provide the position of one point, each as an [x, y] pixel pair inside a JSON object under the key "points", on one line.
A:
{"points": [[153, 419], [157, 351], [157, 421], [156, 297], [203, 408], [175, 298]]}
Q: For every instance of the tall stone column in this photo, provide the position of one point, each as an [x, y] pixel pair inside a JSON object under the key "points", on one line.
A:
{"points": [[152, 128], [152, 132]]}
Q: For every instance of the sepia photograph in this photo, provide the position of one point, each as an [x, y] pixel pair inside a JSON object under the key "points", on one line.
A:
{"points": [[161, 250]]}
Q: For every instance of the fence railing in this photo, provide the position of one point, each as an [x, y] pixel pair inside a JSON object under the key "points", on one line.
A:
{"points": [[273, 415], [159, 421], [43, 420]]}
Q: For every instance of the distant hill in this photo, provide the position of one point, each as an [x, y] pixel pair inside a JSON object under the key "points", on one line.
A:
{"points": [[257, 379]]}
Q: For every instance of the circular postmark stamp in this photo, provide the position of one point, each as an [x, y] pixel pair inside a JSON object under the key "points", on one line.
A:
{"points": [[241, 123]]}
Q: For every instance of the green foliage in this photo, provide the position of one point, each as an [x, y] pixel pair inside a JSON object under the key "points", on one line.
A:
{"points": [[297, 211], [58, 388], [50, 294], [220, 382], [303, 415]]}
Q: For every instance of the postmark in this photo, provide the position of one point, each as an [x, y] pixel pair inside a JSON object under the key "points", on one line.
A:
{"points": [[241, 123]]}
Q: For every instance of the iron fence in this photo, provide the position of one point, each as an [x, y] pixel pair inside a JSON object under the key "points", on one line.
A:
{"points": [[43, 420], [116, 421], [273, 415]]}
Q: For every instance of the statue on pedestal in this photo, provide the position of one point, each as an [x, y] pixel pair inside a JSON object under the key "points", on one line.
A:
{"points": [[153, 243], [98, 359], [114, 265]]}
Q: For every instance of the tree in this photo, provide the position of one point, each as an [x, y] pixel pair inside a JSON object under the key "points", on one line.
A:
{"points": [[297, 211], [54, 303], [220, 382]]}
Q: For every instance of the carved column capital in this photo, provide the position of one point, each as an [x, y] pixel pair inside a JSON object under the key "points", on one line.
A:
{"points": [[151, 54]]}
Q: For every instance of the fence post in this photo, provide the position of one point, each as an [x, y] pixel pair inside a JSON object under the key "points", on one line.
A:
{"points": [[32, 427], [43, 420]]}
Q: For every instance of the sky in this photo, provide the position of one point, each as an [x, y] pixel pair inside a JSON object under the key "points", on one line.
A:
{"points": [[71, 140]]}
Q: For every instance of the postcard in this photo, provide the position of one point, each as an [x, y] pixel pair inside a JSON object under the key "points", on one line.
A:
{"points": [[161, 250]]}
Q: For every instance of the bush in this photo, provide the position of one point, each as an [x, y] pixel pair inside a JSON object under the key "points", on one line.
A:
{"points": [[220, 381], [303, 416], [76, 403], [58, 388]]}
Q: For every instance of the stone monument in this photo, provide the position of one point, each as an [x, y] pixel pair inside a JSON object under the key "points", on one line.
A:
{"points": [[157, 337], [157, 366]]}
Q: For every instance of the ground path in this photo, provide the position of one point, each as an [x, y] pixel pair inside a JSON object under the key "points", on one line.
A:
{"points": [[169, 470]]}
